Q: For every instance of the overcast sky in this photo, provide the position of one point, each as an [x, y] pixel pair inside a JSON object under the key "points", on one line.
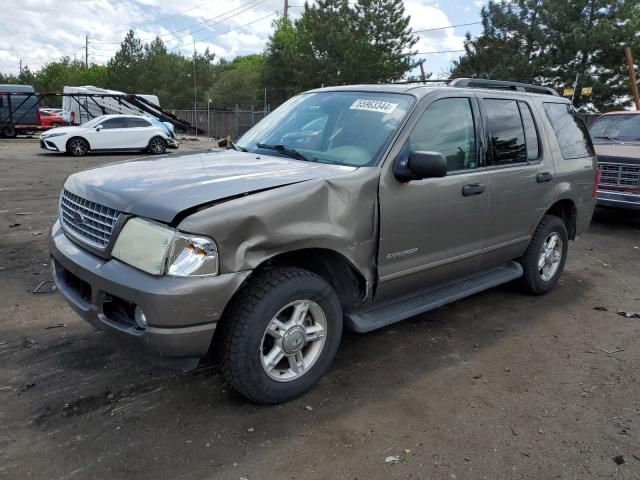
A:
{"points": [[41, 31]]}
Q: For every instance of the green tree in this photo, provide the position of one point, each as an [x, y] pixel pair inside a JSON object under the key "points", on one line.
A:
{"points": [[125, 66], [239, 82], [551, 41], [335, 42]]}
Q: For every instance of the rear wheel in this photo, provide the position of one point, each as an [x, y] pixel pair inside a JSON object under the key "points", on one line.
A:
{"points": [[9, 131], [157, 145], [77, 147], [281, 334], [544, 260], [55, 125]]}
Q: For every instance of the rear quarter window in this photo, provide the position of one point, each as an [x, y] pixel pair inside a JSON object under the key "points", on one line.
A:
{"points": [[571, 133]]}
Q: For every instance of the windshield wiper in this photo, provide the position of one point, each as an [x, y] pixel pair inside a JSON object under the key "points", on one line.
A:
{"points": [[230, 144], [607, 137], [288, 151]]}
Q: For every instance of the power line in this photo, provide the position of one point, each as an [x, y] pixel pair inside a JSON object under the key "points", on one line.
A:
{"points": [[440, 51], [444, 28], [174, 15], [199, 23], [222, 33]]}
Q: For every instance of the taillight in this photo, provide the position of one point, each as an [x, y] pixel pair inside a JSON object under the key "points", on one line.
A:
{"points": [[38, 117], [596, 182]]}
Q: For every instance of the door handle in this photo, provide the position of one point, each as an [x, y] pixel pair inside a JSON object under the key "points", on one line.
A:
{"points": [[472, 189], [544, 177]]}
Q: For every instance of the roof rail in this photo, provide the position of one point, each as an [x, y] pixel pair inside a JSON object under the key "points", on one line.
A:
{"points": [[501, 85], [425, 81]]}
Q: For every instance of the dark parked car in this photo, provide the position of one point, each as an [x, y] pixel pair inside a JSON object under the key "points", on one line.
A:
{"points": [[405, 198], [616, 137]]}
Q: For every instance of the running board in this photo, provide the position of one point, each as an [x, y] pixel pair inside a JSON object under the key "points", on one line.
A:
{"points": [[374, 316]]}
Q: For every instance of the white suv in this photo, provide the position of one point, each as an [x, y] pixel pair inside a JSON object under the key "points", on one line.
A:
{"points": [[110, 133]]}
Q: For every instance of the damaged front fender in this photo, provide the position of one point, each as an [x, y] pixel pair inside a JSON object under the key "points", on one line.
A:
{"points": [[339, 213]]}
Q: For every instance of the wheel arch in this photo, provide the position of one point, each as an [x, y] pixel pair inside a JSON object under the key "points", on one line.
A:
{"points": [[349, 283], [566, 210]]}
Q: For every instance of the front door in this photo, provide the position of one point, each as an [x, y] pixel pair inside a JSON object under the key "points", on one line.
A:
{"points": [[433, 230], [112, 135]]}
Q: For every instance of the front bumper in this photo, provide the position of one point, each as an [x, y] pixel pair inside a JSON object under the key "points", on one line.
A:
{"points": [[172, 143], [48, 144], [182, 313], [612, 198]]}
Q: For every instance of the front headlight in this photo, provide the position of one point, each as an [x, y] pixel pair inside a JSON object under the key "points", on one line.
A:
{"points": [[51, 135], [160, 250]]}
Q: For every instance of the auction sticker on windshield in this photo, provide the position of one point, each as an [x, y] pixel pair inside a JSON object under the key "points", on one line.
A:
{"points": [[373, 106]]}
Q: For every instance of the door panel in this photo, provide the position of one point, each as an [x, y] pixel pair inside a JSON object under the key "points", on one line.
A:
{"points": [[113, 135], [430, 232]]}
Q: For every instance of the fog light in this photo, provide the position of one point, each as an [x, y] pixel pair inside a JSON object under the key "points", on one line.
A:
{"points": [[141, 319]]}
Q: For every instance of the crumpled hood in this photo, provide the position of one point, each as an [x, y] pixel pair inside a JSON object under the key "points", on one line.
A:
{"points": [[162, 187], [618, 153]]}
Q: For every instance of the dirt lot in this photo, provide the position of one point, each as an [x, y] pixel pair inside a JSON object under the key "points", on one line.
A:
{"points": [[501, 385]]}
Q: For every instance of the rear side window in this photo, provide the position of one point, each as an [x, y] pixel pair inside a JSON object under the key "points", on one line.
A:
{"points": [[137, 122], [507, 137], [573, 136], [530, 132]]}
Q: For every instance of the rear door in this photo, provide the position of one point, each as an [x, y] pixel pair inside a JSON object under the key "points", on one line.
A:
{"points": [[433, 230], [139, 132], [522, 175]]}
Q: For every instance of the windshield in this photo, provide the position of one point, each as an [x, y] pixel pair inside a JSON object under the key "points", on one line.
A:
{"points": [[343, 128], [612, 128]]}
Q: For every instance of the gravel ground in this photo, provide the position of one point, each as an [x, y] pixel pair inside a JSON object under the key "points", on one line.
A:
{"points": [[500, 385]]}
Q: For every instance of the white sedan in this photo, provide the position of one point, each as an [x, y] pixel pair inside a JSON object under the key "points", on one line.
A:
{"points": [[110, 133]]}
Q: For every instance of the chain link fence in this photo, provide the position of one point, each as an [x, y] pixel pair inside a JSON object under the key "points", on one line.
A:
{"points": [[220, 123]]}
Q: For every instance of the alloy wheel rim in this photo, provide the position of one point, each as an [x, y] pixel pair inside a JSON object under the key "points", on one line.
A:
{"points": [[77, 147], [293, 340], [550, 256], [156, 146]]}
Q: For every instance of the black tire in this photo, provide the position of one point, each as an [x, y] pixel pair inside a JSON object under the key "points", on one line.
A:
{"points": [[533, 279], [245, 330], [10, 132], [77, 146], [157, 145], [54, 125]]}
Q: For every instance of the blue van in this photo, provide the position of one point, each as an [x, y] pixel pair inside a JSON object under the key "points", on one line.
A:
{"points": [[18, 112]]}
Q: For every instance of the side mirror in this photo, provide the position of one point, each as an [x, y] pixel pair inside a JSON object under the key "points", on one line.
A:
{"points": [[98, 128], [419, 165]]}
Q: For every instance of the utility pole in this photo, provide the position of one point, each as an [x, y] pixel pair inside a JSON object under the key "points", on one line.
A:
{"points": [[423, 77], [86, 51], [632, 77], [20, 68], [286, 8], [195, 91]]}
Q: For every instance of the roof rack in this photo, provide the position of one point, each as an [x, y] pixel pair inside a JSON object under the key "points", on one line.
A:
{"points": [[501, 85]]}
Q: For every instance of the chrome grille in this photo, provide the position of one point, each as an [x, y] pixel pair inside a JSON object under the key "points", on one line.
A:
{"points": [[620, 175], [88, 221]]}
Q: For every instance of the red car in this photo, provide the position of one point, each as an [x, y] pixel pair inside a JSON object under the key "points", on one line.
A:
{"points": [[50, 119]]}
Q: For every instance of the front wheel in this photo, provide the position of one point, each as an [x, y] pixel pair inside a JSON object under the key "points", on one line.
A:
{"points": [[77, 147], [544, 260], [281, 334], [157, 145]]}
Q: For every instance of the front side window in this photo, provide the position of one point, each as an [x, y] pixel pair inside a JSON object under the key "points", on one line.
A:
{"points": [[343, 128], [114, 123], [573, 136], [447, 127], [506, 132]]}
